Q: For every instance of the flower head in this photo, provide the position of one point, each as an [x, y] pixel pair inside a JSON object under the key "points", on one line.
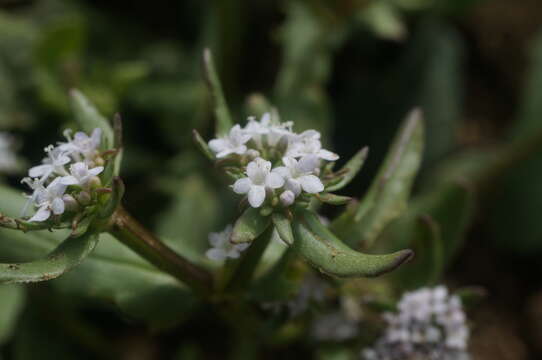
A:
{"points": [[80, 174], [259, 177], [222, 248], [430, 324], [49, 200], [81, 146], [308, 143], [233, 143]]}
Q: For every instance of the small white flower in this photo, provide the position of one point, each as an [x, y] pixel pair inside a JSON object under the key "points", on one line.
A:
{"points": [[233, 143], [80, 174], [267, 129], [53, 163], [259, 178], [222, 248], [81, 144], [49, 200], [298, 175], [308, 143]]}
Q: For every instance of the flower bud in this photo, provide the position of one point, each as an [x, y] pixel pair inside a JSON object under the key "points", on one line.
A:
{"points": [[83, 198], [252, 154], [287, 198], [99, 161], [70, 203], [94, 182]]}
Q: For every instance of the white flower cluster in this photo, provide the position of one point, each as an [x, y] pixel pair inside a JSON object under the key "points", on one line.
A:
{"points": [[430, 324], [221, 246], [297, 159], [73, 164]]}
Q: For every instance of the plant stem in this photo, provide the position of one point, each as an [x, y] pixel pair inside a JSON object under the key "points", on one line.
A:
{"points": [[131, 233]]}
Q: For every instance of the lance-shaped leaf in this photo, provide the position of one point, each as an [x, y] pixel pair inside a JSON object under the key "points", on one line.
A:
{"points": [[249, 226], [12, 298], [222, 114], [202, 145], [333, 199], [387, 197], [284, 228], [66, 256], [350, 170], [89, 118], [331, 256]]}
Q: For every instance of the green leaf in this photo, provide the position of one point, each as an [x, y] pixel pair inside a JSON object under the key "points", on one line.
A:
{"points": [[284, 228], [66, 256], [202, 145], [327, 253], [388, 194], [12, 298], [222, 114], [137, 288], [89, 118], [249, 226], [350, 169], [333, 199]]}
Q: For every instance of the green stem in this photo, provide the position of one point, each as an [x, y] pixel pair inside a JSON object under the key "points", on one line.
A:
{"points": [[135, 236]]}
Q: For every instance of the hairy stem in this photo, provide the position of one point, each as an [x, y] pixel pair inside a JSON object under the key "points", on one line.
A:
{"points": [[130, 232]]}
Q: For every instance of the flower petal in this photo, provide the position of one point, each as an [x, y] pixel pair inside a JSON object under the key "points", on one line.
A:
{"points": [[42, 214], [39, 170], [256, 196], [274, 180], [97, 170], [294, 186], [308, 163], [242, 186], [69, 180], [327, 155], [216, 254], [311, 184], [218, 145], [282, 171]]}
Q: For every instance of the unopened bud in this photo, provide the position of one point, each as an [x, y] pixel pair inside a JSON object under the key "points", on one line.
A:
{"points": [[70, 203], [99, 161], [83, 198], [287, 198], [94, 182], [252, 154]]}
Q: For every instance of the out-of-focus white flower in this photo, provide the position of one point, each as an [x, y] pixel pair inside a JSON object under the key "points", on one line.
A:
{"points": [[80, 174], [334, 327], [298, 175], [222, 248], [308, 143], [8, 159], [81, 146], [429, 324], [48, 200], [233, 143], [259, 178]]}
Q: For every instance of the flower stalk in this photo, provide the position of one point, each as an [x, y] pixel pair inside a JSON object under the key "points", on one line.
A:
{"points": [[131, 233]]}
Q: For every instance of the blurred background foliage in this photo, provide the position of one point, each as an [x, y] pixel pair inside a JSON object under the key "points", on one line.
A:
{"points": [[351, 69]]}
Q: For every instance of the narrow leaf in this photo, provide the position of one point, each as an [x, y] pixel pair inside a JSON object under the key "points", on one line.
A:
{"points": [[249, 226], [284, 228], [67, 255], [333, 199], [89, 118], [326, 252], [387, 196], [350, 169], [222, 114], [202, 145]]}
